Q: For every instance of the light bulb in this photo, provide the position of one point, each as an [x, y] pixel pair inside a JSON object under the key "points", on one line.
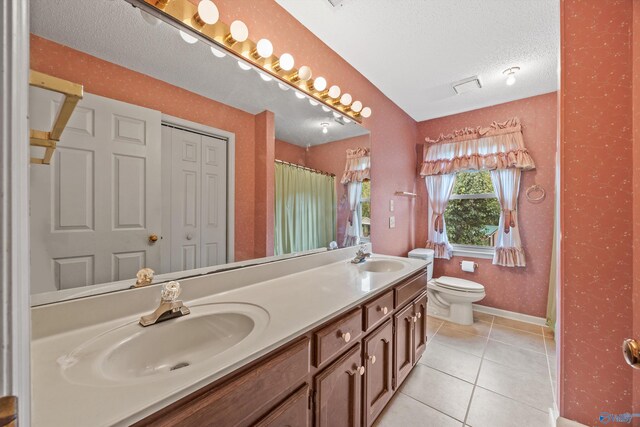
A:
{"points": [[217, 53], [325, 127], [188, 37], [264, 48], [347, 121], [366, 112], [312, 102], [149, 19], [336, 115], [208, 12], [304, 73], [326, 109], [334, 92], [244, 66], [325, 130], [356, 106], [320, 84], [511, 79], [239, 31], [346, 99], [286, 62], [300, 95], [283, 86]]}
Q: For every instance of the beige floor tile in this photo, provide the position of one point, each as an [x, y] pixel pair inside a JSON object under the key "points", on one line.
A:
{"points": [[492, 410], [451, 361], [482, 317], [438, 390], [433, 325], [518, 338], [473, 344], [478, 328], [407, 412], [512, 356], [515, 324], [521, 384], [551, 347]]}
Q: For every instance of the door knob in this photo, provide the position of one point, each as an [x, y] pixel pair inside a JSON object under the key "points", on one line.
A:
{"points": [[346, 336], [361, 370], [372, 358], [631, 352], [419, 315], [153, 238], [384, 310], [189, 236]]}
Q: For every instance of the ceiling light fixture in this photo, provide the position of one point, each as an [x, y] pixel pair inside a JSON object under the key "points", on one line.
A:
{"points": [[188, 37], [511, 75], [300, 95], [313, 103], [286, 63], [325, 127], [207, 13], [244, 66], [238, 33], [346, 99], [366, 112], [283, 86], [264, 49], [326, 109], [356, 106], [304, 74], [320, 84], [217, 53], [265, 77]]}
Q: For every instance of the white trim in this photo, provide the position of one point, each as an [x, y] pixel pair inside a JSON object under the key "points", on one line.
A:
{"points": [[231, 172], [539, 321], [473, 196], [468, 251], [564, 422], [15, 315]]}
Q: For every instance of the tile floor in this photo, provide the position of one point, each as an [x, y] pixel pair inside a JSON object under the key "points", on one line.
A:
{"points": [[495, 373]]}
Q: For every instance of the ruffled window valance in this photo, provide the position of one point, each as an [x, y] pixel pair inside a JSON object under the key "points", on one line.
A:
{"points": [[358, 166], [499, 146]]}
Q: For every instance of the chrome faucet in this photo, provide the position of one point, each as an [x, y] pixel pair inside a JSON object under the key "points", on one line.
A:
{"points": [[361, 256], [170, 306]]}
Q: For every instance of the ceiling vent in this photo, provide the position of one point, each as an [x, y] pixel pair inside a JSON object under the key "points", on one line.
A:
{"points": [[335, 3], [467, 85]]}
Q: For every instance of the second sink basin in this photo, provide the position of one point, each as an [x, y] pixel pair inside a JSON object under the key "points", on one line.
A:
{"points": [[382, 266], [133, 353]]}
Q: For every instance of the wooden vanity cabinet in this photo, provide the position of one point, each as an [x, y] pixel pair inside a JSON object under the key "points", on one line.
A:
{"points": [[410, 337], [295, 411], [378, 376]]}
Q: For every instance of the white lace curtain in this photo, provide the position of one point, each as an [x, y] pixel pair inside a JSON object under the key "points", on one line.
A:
{"points": [[498, 148], [356, 171]]}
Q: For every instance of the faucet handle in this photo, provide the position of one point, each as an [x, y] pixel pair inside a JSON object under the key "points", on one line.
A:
{"points": [[170, 291], [144, 277]]}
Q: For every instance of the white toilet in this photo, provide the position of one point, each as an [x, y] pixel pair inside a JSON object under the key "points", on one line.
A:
{"points": [[450, 298]]}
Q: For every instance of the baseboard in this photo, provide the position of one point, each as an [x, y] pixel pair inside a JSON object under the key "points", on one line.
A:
{"points": [[510, 315]]}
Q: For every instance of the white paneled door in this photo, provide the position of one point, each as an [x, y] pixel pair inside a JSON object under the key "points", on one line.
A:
{"points": [[95, 207], [198, 199]]}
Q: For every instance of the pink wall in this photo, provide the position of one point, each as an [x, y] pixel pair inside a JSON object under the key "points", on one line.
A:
{"points": [[596, 207], [636, 193], [139, 89], [523, 290], [290, 153], [393, 132], [264, 184]]}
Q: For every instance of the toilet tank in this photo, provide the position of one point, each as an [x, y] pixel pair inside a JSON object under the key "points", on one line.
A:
{"points": [[427, 255]]}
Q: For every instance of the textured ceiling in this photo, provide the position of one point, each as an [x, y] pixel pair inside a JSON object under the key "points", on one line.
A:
{"points": [[413, 50], [115, 31]]}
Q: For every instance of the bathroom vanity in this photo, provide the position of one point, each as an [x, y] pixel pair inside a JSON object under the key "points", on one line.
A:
{"points": [[314, 340]]}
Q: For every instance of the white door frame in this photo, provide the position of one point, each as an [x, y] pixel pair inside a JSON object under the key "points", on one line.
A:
{"points": [[231, 172], [15, 312]]}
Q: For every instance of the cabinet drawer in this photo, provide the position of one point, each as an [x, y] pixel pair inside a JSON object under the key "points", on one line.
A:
{"points": [[378, 310], [338, 336], [243, 400], [292, 412], [412, 288]]}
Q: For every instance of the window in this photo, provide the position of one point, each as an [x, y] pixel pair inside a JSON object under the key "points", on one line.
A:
{"points": [[473, 214], [365, 210]]}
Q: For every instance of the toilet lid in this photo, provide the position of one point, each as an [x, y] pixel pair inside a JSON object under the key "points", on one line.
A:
{"points": [[459, 284]]}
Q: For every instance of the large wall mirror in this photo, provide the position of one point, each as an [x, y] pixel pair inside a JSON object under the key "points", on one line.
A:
{"points": [[177, 158]]}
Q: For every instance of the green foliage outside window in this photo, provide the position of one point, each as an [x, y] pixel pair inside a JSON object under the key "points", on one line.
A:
{"points": [[473, 221], [365, 205]]}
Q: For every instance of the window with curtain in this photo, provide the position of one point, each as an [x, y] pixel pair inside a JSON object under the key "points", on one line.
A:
{"points": [[305, 209], [356, 177], [455, 168]]}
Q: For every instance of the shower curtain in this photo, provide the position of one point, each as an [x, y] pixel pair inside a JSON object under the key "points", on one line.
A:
{"points": [[305, 209]]}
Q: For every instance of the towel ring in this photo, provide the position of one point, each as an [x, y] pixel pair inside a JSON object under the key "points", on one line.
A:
{"points": [[536, 189]]}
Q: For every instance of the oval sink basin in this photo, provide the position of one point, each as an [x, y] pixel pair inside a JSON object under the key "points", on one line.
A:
{"points": [[382, 266], [133, 353]]}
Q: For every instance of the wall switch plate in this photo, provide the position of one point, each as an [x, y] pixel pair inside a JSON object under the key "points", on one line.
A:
{"points": [[391, 205], [392, 222]]}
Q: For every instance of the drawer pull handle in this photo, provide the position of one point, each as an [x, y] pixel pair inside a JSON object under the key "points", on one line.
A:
{"points": [[415, 319], [346, 336], [361, 370], [372, 358], [419, 315], [384, 310]]}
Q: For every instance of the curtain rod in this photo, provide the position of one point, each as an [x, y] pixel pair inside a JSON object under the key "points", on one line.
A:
{"points": [[306, 168]]}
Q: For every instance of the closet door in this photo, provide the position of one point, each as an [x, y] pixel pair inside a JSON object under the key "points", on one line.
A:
{"points": [[214, 202], [94, 208]]}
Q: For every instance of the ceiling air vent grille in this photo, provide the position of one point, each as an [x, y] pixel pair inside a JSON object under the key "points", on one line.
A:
{"points": [[335, 3], [466, 85]]}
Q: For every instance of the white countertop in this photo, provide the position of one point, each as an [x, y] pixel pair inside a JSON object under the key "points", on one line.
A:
{"points": [[296, 303]]}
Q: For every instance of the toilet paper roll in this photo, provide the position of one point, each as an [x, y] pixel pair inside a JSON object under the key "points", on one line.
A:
{"points": [[468, 266]]}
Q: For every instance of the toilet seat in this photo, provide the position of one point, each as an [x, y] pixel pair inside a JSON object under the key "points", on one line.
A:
{"points": [[456, 284]]}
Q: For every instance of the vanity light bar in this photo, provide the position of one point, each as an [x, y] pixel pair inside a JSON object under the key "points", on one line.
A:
{"points": [[236, 41]]}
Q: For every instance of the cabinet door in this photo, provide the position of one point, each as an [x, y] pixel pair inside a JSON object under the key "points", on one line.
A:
{"points": [[378, 378], [420, 326], [293, 412], [404, 349], [339, 391]]}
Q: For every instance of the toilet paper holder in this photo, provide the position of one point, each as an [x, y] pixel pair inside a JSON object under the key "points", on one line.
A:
{"points": [[475, 265]]}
